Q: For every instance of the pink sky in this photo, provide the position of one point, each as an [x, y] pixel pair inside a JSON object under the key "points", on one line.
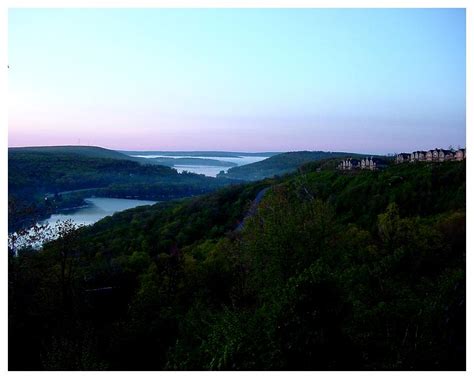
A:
{"points": [[241, 80]]}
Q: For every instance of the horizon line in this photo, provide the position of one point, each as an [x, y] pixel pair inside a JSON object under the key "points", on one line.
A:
{"points": [[203, 151]]}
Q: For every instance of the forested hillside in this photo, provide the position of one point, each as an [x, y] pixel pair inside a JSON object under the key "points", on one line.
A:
{"points": [[280, 164], [84, 151], [357, 270], [41, 180]]}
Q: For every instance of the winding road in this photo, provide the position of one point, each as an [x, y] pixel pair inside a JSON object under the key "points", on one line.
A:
{"points": [[253, 208]]}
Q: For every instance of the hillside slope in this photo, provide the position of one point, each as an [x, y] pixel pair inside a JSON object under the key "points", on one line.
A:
{"points": [[280, 164], [85, 151], [331, 271]]}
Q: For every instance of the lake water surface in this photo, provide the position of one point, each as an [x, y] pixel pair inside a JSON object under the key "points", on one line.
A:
{"points": [[96, 208]]}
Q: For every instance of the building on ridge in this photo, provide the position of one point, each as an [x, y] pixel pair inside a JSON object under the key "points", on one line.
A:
{"points": [[435, 155], [349, 164]]}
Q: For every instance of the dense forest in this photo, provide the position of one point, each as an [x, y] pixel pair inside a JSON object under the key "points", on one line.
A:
{"points": [[319, 270], [281, 164], [44, 179]]}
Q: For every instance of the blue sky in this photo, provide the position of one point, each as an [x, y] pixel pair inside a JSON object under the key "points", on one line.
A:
{"points": [[366, 80]]}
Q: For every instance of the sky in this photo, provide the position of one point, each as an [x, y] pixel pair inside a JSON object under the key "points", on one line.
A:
{"points": [[360, 80]]}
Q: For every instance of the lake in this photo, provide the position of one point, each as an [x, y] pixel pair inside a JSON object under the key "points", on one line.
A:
{"points": [[96, 208], [207, 169]]}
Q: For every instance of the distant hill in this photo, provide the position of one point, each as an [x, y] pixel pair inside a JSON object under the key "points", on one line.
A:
{"points": [[169, 161], [85, 151], [199, 158], [281, 164], [220, 154]]}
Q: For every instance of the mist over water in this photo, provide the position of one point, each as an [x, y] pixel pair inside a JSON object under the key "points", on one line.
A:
{"points": [[203, 170], [207, 170]]}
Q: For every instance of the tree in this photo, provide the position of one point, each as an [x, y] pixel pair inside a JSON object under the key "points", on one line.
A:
{"points": [[388, 224]]}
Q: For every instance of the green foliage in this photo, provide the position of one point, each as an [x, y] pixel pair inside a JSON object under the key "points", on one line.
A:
{"points": [[326, 271], [84, 151], [72, 353]]}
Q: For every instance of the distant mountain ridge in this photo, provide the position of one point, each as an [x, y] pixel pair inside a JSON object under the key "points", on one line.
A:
{"points": [[196, 158], [220, 154], [86, 151], [169, 161]]}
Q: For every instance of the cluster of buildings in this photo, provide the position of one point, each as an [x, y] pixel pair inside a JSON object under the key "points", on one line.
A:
{"points": [[436, 155], [371, 163], [363, 164]]}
